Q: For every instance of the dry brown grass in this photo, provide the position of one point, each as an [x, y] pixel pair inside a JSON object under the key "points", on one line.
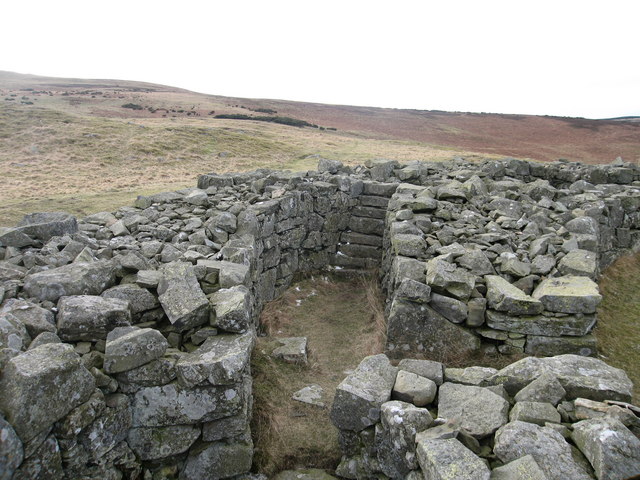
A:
{"points": [[618, 329], [341, 319]]}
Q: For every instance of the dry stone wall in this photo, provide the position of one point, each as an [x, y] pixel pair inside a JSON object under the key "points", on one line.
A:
{"points": [[125, 337]]}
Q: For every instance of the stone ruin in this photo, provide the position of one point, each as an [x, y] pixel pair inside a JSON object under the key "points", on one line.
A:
{"points": [[125, 338]]}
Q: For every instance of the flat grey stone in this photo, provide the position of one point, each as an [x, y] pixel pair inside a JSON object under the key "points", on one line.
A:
{"points": [[584, 377], [291, 350], [154, 443], [480, 411], [504, 297], [579, 262], [221, 360], [140, 299], [218, 460], [469, 375], [311, 394], [359, 397], [41, 386], [448, 459], [35, 318], [73, 279], [612, 450], [541, 345], [412, 388], [541, 325], [45, 225], [131, 347], [568, 294], [90, 318], [545, 388], [547, 447], [523, 468], [539, 413], [430, 369], [444, 277], [172, 404], [453, 310]]}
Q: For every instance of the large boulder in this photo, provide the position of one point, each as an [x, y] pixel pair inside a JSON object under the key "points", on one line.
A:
{"points": [[547, 447], [181, 297], [359, 397], [444, 459], [44, 225], [581, 377], [504, 297], [90, 318], [480, 411], [542, 325], [221, 360], [568, 294], [91, 278], [612, 450], [41, 386]]}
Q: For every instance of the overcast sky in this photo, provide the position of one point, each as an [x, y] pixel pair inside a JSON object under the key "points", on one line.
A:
{"points": [[561, 57]]}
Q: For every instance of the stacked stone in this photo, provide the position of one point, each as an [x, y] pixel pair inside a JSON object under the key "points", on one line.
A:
{"points": [[471, 254], [556, 418]]}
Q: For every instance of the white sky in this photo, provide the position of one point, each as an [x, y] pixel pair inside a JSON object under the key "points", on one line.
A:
{"points": [[561, 57]]}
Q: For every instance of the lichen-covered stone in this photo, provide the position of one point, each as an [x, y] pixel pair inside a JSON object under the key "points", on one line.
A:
{"points": [[110, 428], [545, 388], [35, 318], [172, 404], [11, 450], [154, 443], [568, 294], [503, 296], [412, 388], [480, 411], [90, 318], [80, 417], [13, 333], [359, 397], [41, 386], [612, 450], [539, 413], [74, 279], [523, 468], [181, 297], [232, 307], [221, 360], [212, 461], [547, 447], [45, 462], [140, 299], [131, 347], [542, 325], [448, 459]]}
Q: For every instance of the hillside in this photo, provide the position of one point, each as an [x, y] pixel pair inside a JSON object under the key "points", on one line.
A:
{"points": [[85, 145]]}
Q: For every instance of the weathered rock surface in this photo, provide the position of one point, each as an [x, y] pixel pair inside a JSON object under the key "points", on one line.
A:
{"points": [[131, 347], [73, 279], [480, 411], [523, 468], [547, 447], [291, 350], [503, 296], [612, 450], [359, 397], [11, 451], [412, 388], [232, 307], [568, 294], [218, 460], [181, 297], [41, 386], [221, 360], [90, 318], [446, 459], [154, 443]]}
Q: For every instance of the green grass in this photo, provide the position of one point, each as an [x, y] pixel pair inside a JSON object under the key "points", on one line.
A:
{"points": [[343, 322], [618, 329]]}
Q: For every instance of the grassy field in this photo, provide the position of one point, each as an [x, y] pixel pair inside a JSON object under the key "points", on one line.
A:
{"points": [[60, 160], [618, 330], [343, 321]]}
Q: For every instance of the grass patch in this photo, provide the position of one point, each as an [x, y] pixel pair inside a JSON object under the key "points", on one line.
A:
{"points": [[618, 329], [343, 322]]}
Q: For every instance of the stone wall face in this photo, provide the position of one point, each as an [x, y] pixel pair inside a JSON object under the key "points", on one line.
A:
{"points": [[125, 337]]}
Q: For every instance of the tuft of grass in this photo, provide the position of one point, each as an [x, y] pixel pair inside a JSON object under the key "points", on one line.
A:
{"points": [[618, 328], [341, 320]]}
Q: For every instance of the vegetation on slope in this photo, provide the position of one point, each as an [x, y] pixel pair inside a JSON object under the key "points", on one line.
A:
{"points": [[618, 330]]}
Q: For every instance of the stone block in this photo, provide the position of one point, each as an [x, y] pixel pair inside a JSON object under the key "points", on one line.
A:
{"points": [[131, 347], [232, 308], [89, 318], [504, 297], [181, 297], [448, 458], [568, 294]]}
